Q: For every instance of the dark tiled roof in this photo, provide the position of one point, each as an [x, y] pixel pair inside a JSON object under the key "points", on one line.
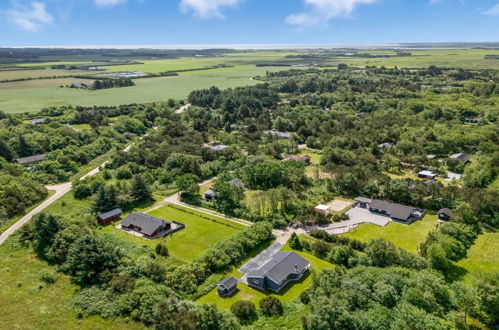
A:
{"points": [[110, 214], [31, 159], [228, 282], [281, 266], [363, 200], [395, 210], [147, 223], [237, 183], [461, 156], [447, 212]]}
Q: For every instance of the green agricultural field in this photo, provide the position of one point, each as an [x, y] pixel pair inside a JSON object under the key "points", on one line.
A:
{"points": [[483, 256], [29, 303], [37, 73], [465, 58], [405, 236], [290, 293], [40, 83], [146, 90]]}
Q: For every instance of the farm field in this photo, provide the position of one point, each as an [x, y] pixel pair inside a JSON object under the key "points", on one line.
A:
{"points": [[290, 293], [37, 73], [146, 90], [40, 83], [405, 236], [29, 303], [483, 256]]}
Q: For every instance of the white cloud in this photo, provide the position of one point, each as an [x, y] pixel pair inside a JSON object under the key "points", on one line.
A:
{"points": [[31, 17], [320, 12], [494, 11], [206, 9], [109, 3]]}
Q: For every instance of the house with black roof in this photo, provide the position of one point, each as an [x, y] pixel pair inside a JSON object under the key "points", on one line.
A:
{"points": [[281, 269], [108, 217], [146, 225], [445, 214], [465, 158], [398, 212], [227, 287], [31, 159]]}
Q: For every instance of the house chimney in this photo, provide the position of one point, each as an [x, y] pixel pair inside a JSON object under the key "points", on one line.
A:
{"points": [[296, 268]]}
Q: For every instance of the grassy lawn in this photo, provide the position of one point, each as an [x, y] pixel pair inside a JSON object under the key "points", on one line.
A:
{"points": [[483, 256], [494, 185], [290, 293], [29, 303], [81, 127], [315, 156], [189, 243], [405, 236], [10, 222]]}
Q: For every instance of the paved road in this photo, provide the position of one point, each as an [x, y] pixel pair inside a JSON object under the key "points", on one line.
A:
{"points": [[60, 190]]}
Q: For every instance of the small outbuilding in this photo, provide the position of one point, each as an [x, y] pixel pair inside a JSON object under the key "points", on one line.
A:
{"points": [[427, 175], [218, 147], [210, 195], [304, 158], [321, 208], [227, 287], [37, 121], [31, 159], [445, 214], [237, 183], [465, 158], [386, 145], [108, 217]]}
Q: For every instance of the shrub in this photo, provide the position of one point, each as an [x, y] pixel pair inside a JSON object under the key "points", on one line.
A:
{"points": [[162, 250], [48, 278], [271, 306], [243, 310]]}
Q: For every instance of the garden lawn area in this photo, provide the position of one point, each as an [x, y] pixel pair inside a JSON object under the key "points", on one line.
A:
{"points": [[315, 156], [81, 127], [407, 237], [199, 233], [290, 293], [29, 303], [483, 256]]}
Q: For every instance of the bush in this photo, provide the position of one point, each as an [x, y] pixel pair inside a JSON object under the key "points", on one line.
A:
{"points": [[243, 310], [48, 278], [161, 250], [271, 306]]}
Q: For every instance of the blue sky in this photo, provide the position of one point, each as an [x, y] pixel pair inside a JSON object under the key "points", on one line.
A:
{"points": [[163, 22]]}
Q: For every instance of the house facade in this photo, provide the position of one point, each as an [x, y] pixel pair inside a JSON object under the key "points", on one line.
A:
{"points": [[281, 269]]}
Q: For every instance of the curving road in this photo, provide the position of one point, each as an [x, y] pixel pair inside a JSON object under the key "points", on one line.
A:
{"points": [[60, 190]]}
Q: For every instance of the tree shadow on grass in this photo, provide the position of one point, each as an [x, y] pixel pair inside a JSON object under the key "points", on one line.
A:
{"points": [[455, 273]]}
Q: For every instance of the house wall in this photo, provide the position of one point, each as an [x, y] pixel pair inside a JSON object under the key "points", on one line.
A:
{"points": [[259, 285]]}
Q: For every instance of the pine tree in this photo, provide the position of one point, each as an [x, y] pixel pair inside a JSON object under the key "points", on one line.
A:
{"points": [[140, 190], [294, 242]]}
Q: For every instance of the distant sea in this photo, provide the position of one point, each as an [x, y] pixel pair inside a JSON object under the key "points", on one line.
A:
{"points": [[440, 45]]}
